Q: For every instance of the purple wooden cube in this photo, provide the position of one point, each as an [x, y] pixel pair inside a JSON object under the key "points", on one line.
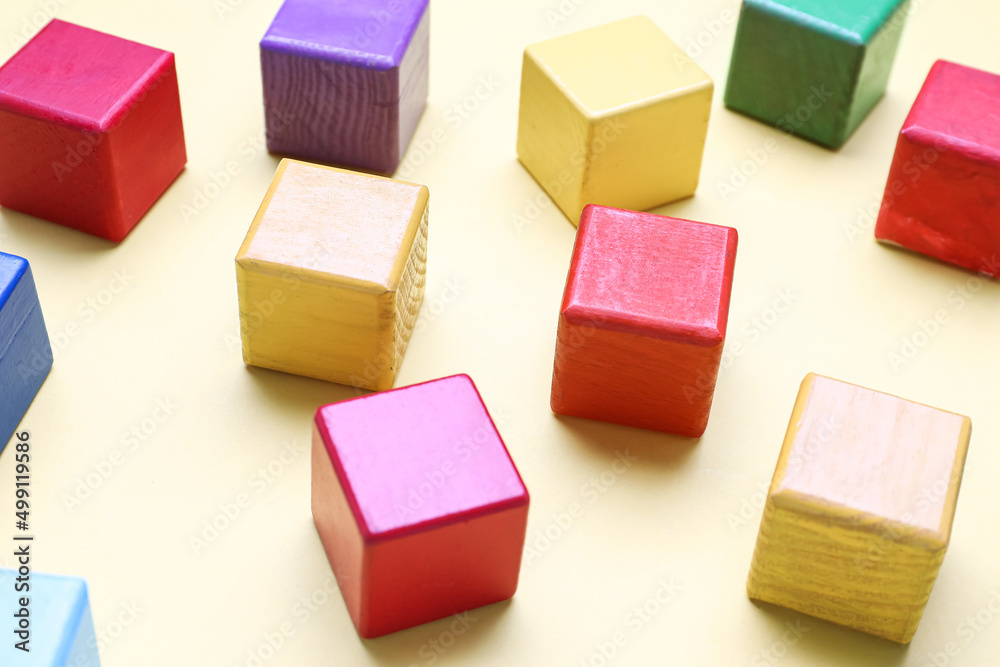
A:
{"points": [[346, 82]]}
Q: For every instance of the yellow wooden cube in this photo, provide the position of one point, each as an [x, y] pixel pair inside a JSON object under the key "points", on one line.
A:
{"points": [[615, 115], [859, 513], [331, 274]]}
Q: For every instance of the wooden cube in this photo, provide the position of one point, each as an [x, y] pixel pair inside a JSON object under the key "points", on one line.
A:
{"points": [[25, 354], [346, 83], [90, 129], [942, 198], [57, 624], [418, 504], [615, 115], [814, 68], [331, 274], [643, 320], [859, 513]]}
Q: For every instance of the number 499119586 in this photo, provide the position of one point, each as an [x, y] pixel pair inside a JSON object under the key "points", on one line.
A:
{"points": [[22, 480]]}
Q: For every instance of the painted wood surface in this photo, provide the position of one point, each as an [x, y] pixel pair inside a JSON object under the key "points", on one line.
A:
{"points": [[61, 624], [643, 320], [614, 115], [418, 504], [346, 83], [331, 274], [25, 354], [858, 517], [813, 68], [90, 129], [942, 197]]}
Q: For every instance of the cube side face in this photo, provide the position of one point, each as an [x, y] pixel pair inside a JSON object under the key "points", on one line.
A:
{"points": [[84, 648], [148, 146], [330, 111], [552, 138], [414, 83], [25, 352], [791, 75], [432, 574], [943, 201], [651, 155], [880, 53], [328, 330], [624, 378], [59, 173], [408, 297], [862, 579], [338, 529]]}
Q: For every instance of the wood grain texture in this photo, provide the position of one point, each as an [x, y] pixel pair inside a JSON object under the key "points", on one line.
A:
{"points": [[346, 83], [331, 274], [90, 129], [942, 197], [614, 115], [811, 68], [418, 504], [62, 626], [859, 513], [643, 320], [25, 354]]}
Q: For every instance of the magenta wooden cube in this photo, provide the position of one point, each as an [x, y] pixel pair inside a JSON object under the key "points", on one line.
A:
{"points": [[90, 129], [346, 83], [418, 504]]}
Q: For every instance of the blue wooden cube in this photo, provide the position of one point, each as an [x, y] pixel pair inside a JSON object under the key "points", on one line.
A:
{"points": [[51, 613], [346, 83], [25, 354], [814, 68]]}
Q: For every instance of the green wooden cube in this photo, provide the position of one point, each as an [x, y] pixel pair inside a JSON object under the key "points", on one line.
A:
{"points": [[814, 68]]}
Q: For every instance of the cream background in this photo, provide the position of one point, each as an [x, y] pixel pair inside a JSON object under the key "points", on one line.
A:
{"points": [[172, 335]]}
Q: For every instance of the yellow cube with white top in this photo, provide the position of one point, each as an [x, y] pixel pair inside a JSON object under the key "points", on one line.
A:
{"points": [[331, 274], [615, 115]]}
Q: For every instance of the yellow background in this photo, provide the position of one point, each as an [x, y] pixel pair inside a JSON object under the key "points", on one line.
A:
{"points": [[493, 292]]}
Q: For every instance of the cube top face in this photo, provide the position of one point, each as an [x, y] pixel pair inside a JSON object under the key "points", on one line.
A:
{"points": [[855, 20], [12, 268], [364, 231], [867, 451], [651, 275], [58, 605], [617, 66], [77, 76], [956, 104], [372, 33], [419, 455]]}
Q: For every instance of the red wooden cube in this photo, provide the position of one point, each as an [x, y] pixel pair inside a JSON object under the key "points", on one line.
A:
{"points": [[643, 320], [418, 504], [90, 129], [942, 198]]}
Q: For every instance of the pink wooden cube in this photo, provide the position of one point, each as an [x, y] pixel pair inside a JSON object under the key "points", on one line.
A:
{"points": [[418, 504]]}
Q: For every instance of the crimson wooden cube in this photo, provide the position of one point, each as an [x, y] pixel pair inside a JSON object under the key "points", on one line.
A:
{"points": [[90, 129], [942, 198], [643, 320], [418, 504]]}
